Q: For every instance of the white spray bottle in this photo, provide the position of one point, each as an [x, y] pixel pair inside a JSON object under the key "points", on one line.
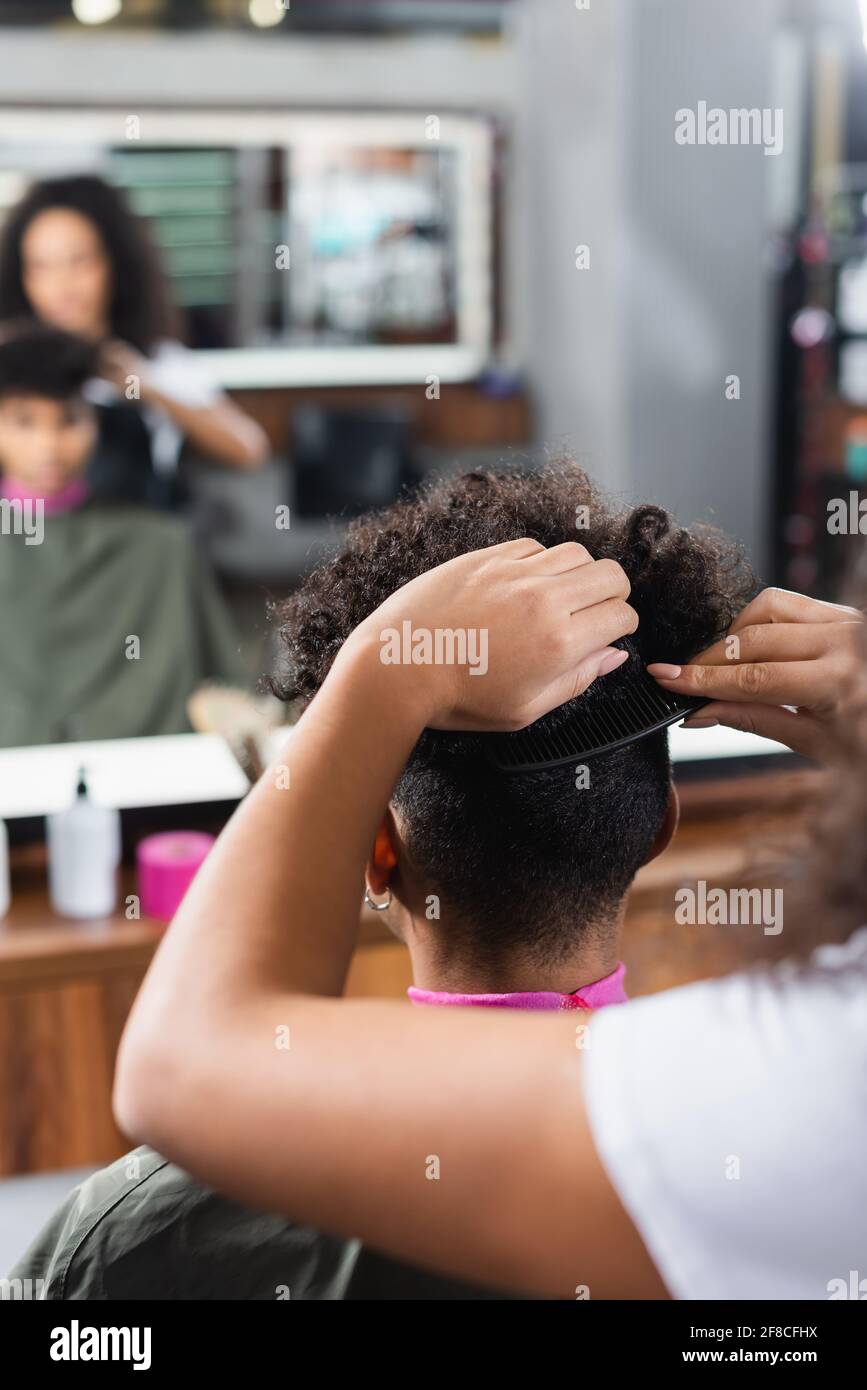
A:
{"points": [[83, 856]]}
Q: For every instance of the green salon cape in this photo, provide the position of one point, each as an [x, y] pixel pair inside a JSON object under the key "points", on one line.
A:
{"points": [[144, 1229], [106, 628]]}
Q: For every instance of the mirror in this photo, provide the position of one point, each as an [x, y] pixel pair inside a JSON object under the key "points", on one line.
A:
{"points": [[303, 249], [298, 249]]}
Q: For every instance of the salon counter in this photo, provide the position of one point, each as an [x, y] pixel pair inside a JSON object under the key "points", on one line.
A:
{"points": [[66, 987]]}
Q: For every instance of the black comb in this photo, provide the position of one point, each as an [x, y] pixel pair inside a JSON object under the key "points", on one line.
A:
{"points": [[635, 710]]}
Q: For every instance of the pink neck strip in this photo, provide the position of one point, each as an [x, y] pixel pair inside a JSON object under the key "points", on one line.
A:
{"points": [[595, 996], [66, 500]]}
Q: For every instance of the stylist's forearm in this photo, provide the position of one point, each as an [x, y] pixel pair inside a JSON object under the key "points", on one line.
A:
{"points": [[276, 906], [219, 430]]}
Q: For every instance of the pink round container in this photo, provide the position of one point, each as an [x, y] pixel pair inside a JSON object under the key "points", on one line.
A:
{"points": [[167, 865]]}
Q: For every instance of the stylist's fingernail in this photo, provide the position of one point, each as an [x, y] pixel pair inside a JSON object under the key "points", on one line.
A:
{"points": [[611, 663], [699, 723], [664, 672]]}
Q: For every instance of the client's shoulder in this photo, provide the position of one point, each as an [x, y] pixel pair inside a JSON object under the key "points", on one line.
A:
{"points": [[50, 1264], [133, 534], [143, 1228], [134, 520]]}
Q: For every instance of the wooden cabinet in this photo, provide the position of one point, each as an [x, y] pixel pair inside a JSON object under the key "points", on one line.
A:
{"points": [[65, 991]]}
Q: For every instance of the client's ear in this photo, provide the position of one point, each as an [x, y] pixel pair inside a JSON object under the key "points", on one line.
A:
{"points": [[380, 875], [667, 830], [383, 857]]}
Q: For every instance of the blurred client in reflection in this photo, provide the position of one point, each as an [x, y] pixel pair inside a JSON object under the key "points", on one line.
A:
{"points": [[109, 617], [73, 255]]}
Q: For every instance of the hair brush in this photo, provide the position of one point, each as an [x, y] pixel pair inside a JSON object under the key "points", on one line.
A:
{"points": [[634, 709]]}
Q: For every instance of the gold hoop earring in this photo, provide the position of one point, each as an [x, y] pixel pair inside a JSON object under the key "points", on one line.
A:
{"points": [[377, 907]]}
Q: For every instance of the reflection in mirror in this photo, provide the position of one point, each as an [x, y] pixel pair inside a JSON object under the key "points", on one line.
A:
{"points": [[368, 233], [301, 249], [145, 263], [109, 617]]}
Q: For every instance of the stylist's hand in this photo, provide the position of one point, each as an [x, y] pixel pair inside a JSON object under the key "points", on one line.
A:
{"points": [[543, 618], [123, 367], [790, 651]]}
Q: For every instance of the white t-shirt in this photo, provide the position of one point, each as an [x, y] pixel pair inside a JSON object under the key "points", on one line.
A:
{"points": [[731, 1117]]}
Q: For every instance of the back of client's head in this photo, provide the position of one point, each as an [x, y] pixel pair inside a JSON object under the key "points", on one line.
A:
{"points": [[525, 865]]}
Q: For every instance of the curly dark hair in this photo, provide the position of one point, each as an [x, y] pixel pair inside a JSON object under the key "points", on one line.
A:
{"points": [[141, 310], [524, 863], [36, 360]]}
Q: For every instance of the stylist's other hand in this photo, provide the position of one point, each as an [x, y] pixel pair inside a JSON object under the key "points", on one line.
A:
{"points": [[538, 624], [790, 651]]}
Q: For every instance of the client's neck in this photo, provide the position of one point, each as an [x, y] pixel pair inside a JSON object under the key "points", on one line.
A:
{"points": [[434, 968], [65, 499]]}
